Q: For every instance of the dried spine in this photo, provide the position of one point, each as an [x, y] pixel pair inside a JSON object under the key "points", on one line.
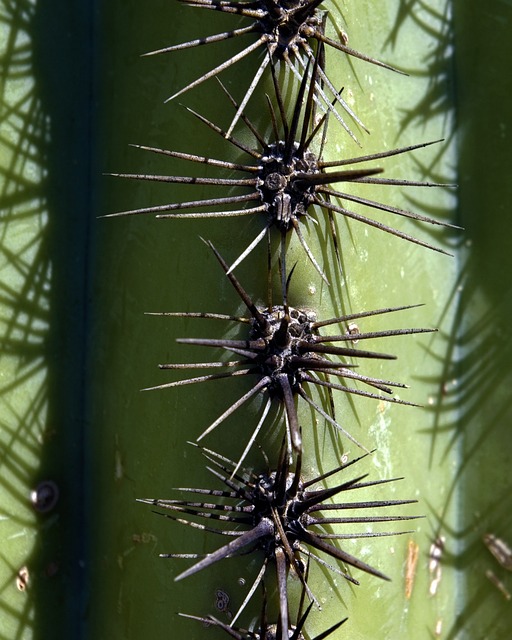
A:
{"points": [[280, 515]]}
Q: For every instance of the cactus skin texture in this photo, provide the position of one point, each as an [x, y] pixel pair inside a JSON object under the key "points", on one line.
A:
{"points": [[69, 406]]}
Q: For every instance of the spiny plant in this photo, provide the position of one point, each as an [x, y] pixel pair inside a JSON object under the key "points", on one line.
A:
{"points": [[288, 181], [285, 31], [263, 629], [280, 514], [286, 353]]}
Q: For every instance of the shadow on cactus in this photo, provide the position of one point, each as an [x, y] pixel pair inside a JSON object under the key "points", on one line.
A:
{"points": [[279, 514]]}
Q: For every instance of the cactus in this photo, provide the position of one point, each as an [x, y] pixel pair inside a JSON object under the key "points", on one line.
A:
{"points": [[71, 411]]}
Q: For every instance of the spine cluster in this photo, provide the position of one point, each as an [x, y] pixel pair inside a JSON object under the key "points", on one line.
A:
{"points": [[287, 355]]}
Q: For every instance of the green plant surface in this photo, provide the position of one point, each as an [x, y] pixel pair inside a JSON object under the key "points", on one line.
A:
{"points": [[45, 163], [77, 347], [402, 435]]}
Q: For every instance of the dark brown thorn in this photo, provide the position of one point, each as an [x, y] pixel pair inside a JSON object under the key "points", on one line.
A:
{"points": [[221, 67], [370, 483], [326, 105], [361, 535], [246, 9], [242, 489], [262, 529], [334, 569], [300, 608], [357, 392], [199, 526], [283, 467], [273, 120], [209, 514], [263, 621], [256, 314], [404, 213], [324, 365], [312, 499], [341, 467], [254, 435], [250, 593], [292, 560], [291, 491], [245, 119], [264, 382], [377, 225], [282, 267], [206, 492], [308, 251], [253, 345], [198, 314], [281, 337], [377, 383], [377, 156], [202, 365], [202, 492], [329, 419], [220, 493], [342, 351], [362, 314], [369, 504], [184, 205], [199, 159], [361, 520], [283, 592], [252, 245], [348, 337], [213, 376], [248, 354], [221, 182], [317, 363], [213, 214], [310, 99], [289, 142], [223, 133], [337, 95], [212, 620], [302, 620], [214, 455], [217, 459], [338, 554], [287, 288], [356, 54], [323, 123], [200, 41], [249, 92], [280, 104], [317, 128], [269, 272], [183, 556], [291, 411], [227, 481], [330, 630], [402, 182], [348, 175]]}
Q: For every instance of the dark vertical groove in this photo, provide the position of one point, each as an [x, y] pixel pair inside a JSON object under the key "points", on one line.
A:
{"points": [[63, 38]]}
